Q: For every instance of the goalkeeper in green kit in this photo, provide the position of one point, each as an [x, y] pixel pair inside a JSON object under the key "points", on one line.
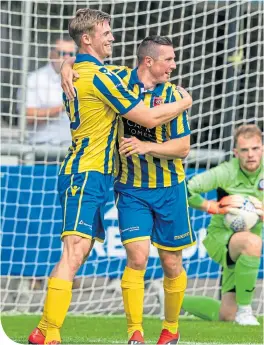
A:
{"points": [[237, 252]]}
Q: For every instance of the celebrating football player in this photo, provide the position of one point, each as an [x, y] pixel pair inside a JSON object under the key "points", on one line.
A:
{"points": [[150, 189], [85, 176], [151, 193]]}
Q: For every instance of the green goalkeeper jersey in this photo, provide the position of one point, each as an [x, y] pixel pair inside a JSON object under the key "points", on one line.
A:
{"points": [[228, 179]]}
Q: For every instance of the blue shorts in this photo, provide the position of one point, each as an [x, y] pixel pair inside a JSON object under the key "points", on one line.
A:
{"points": [[83, 197], [160, 214]]}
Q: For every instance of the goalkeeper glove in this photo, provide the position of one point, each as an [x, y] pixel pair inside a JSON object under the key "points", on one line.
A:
{"points": [[258, 206], [224, 205]]}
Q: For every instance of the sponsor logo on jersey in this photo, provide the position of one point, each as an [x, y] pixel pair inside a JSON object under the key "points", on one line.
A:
{"points": [[74, 190], [157, 101], [261, 184], [251, 290], [135, 130], [182, 236], [81, 222], [130, 229]]}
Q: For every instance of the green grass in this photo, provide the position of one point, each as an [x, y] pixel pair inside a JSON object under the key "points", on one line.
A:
{"points": [[110, 330]]}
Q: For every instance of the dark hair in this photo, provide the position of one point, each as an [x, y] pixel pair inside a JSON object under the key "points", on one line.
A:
{"points": [[84, 22], [247, 131], [148, 46]]}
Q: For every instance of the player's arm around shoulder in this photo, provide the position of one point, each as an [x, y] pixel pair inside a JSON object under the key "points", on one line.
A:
{"points": [[177, 144], [124, 101], [68, 75], [178, 134], [112, 90], [156, 116]]}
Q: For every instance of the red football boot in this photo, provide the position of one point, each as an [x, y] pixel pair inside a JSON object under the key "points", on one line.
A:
{"points": [[36, 337], [136, 338], [168, 338]]}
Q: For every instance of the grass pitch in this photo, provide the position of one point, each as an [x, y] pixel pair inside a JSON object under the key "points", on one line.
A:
{"points": [[112, 330]]}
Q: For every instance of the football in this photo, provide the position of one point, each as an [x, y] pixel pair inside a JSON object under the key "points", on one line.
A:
{"points": [[243, 218]]}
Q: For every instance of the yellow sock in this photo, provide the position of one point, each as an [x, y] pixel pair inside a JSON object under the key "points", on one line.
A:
{"points": [[133, 297], [43, 323], [174, 292], [57, 304]]}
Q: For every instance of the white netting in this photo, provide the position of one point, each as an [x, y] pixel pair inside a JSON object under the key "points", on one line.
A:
{"points": [[219, 52]]}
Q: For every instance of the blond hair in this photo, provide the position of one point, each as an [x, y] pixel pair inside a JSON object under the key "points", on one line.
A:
{"points": [[84, 22], [247, 131]]}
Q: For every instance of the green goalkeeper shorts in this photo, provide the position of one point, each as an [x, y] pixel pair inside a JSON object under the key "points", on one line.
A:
{"points": [[216, 244]]}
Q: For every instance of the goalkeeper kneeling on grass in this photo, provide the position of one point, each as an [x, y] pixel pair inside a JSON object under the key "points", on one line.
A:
{"points": [[237, 252]]}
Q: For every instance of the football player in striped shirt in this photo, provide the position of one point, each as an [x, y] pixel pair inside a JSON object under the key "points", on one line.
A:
{"points": [[151, 193], [86, 173], [150, 190]]}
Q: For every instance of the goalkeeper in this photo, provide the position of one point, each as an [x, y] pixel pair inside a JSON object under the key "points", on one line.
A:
{"points": [[238, 253]]}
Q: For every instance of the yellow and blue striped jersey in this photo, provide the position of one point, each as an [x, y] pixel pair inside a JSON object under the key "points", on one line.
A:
{"points": [[147, 171], [100, 97]]}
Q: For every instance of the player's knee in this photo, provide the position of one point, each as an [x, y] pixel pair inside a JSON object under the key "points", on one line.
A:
{"points": [[171, 267], [73, 258], [138, 263], [252, 245], [75, 262]]}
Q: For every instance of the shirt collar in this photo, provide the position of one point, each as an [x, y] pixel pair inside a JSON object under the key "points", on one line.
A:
{"points": [[134, 80], [87, 58]]}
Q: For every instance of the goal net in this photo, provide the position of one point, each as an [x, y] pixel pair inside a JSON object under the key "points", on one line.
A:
{"points": [[219, 54]]}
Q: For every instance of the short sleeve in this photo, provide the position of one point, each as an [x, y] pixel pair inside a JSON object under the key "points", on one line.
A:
{"points": [[111, 90], [116, 69], [178, 127]]}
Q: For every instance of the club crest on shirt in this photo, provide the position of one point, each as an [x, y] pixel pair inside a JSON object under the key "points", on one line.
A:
{"points": [[261, 184], [157, 101]]}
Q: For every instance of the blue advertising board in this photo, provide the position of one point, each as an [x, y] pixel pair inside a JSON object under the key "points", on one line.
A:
{"points": [[31, 221]]}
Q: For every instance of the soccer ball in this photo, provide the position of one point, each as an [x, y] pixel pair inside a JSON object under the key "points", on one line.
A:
{"points": [[243, 218]]}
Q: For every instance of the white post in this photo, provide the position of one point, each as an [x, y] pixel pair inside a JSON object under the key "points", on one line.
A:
{"points": [[26, 29]]}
